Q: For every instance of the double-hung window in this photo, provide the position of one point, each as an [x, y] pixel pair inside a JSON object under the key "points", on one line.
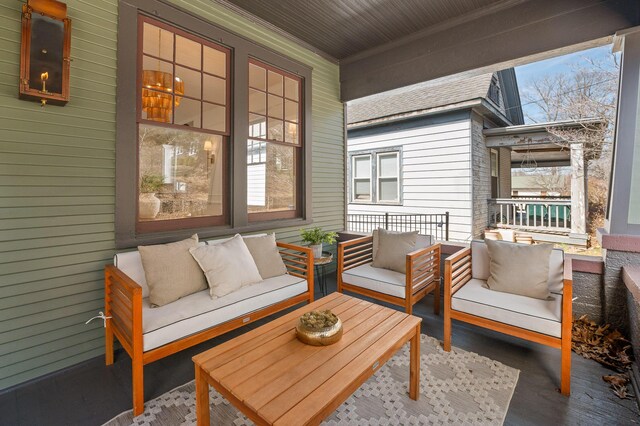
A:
{"points": [[183, 129], [375, 177]]}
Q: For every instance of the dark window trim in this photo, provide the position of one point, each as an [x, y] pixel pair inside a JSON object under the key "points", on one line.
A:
{"points": [[374, 176], [126, 124]]}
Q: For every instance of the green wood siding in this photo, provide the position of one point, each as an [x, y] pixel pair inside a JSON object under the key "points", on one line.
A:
{"points": [[57, 185]]}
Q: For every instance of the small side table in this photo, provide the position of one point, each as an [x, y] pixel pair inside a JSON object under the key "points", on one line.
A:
{"points": [[320, 263]]}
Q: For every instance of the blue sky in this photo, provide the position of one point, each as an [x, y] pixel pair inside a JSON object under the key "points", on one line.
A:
{"points": [[559, 64]]}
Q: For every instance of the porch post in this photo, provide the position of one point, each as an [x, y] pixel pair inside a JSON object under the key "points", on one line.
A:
{"points": [[621, 235], [578, 190]]}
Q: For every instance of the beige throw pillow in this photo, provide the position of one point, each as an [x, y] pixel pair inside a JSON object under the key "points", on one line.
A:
{"points": [[171, 272], [266, 255], [392, 249], [519, 269], [228, 266]]}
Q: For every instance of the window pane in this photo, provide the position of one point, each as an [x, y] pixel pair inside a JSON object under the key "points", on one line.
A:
{"points": [[290, 88], [275, 106], [187, 82], [256, 153], [494, 164], [188, 52], [257, 102], [157, 106], [388, 165], [388, 189], [257, 77], [362, 167], [157, 42], [257, 126], [275, 130], [180, 174], [215, 89], [275, 83], [215, 61], [291, 133], [188, 113], [291, 111], [214, 117], [271, 186], [362, 189]]}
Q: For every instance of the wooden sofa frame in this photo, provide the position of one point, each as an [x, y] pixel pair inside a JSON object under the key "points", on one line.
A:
{"points": [[422, 277], [457, 272], [123, 304]]}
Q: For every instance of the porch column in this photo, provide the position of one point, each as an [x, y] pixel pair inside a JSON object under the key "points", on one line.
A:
{"points": [[578, 190], [621, 234]]}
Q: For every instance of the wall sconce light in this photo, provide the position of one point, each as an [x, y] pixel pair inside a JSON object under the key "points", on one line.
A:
{"points": [[211, 147], [45, 52]]}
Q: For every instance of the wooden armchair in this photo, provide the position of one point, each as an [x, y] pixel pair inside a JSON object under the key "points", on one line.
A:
{"points": [[548, 322], [356, 275]]}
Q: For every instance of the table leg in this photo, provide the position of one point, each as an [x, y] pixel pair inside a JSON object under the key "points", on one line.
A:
{"points": [[202, 398], [414, 366]]}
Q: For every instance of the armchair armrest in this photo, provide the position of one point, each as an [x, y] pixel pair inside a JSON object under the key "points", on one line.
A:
{"points": [[457, 271], [354, 253], [123, 303], [298, 260], [423, 268], [567, 291]]}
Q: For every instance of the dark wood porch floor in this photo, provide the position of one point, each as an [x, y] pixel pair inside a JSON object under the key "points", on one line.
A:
{"points": [[90, 393]]}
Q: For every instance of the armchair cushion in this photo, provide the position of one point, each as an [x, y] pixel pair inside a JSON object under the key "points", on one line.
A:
{"points": [[519, 269], [376, 279], [542, 316], [480, 265], [393, 248]]}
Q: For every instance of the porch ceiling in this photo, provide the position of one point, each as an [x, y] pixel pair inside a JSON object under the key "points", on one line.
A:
{"points": [[342, 28], [544, 155]]}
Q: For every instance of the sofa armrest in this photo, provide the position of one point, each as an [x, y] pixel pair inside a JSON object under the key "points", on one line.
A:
{"points": [[457, 271], [354, 253], [123, 303], [423, 268], [299, 261]]}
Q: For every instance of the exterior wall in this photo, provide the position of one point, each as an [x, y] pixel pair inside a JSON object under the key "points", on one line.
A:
{"points": [[505, 173], [436, 174], [615, 291], [588, 294], [57, 190], [481, 166]]}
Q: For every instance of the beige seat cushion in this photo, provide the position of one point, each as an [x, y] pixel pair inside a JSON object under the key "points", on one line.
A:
{"points": [[227, 266], [393, 248], [170, 271], [519, 269], [542, 316], [266, 255], [376, 279]]}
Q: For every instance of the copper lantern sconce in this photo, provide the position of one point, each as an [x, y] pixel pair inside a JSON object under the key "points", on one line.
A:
{"points": [[45, 52]]}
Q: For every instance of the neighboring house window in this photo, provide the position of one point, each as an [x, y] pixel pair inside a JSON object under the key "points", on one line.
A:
{"points": [[274, 124], [361, 182], [495, 173], [494, 91], [388, 178], [375, 177], [183, 129]]}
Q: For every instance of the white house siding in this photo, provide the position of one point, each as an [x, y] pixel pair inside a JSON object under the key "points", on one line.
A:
{"points": [[436, 170], [505, 173]]}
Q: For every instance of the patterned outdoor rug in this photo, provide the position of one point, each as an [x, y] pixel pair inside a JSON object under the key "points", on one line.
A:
{"points": [[455, 388]]}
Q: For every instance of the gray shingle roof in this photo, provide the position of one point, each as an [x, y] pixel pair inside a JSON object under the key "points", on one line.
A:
{"points": [[418, 97]]}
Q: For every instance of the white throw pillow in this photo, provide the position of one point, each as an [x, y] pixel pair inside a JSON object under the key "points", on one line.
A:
{"points": [[227, 266]]}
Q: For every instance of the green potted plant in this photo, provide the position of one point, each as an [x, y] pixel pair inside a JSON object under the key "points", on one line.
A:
{"points": [[148, 203], [315, 237]]}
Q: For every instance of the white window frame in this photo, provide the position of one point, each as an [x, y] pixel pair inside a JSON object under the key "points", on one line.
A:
{"points": [[379, 176], [354, 178]]}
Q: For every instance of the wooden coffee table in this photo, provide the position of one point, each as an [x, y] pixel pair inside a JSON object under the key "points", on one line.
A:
{"points": [[274, 379]]}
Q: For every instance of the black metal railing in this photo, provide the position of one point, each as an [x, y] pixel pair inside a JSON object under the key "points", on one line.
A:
{"points": [[436, 225]]}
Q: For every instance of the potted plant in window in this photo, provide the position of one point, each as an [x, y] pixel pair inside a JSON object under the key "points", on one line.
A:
{"points": [[148, 203], [314, 237]]}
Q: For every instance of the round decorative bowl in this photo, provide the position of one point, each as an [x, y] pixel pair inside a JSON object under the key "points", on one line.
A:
{"points": [[319, 336]]}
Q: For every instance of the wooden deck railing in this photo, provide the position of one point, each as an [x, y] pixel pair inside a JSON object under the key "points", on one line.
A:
{"points": [[543, 214]]}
